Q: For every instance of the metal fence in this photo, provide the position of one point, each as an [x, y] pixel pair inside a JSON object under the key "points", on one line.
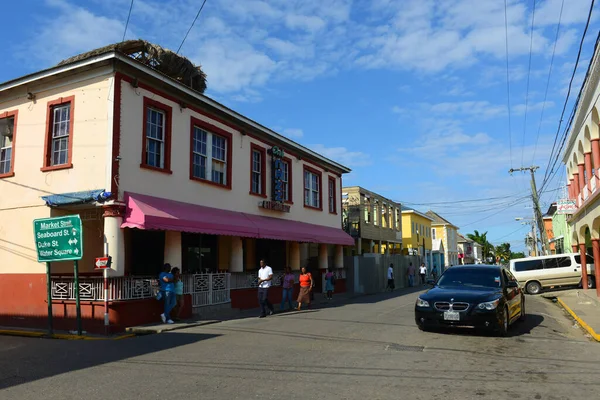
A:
{"points": [[247, 280], [205, 289]]}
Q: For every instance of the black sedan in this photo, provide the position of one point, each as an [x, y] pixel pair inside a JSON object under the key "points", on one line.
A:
{"points": [[477, 296]]}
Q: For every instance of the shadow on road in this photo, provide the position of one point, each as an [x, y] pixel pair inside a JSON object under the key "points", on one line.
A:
{"points": [[24, 360], [518, 328]]}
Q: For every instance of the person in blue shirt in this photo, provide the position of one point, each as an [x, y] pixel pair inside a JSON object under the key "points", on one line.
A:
{"points": [[167, 287]]}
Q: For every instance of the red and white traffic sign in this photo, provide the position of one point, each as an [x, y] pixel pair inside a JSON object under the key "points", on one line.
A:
{"points": [[102, 263]]}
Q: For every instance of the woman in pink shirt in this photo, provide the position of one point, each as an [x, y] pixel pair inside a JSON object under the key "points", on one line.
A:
{"points": [[288, 288]]}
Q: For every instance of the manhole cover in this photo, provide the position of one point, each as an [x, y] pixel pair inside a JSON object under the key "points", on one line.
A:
{"points": [[401, 347]]}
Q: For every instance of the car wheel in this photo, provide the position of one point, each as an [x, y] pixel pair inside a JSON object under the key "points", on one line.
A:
{"points": [[503, 328], [422, 327], [522, 316], [533, 287], [591, 282]]}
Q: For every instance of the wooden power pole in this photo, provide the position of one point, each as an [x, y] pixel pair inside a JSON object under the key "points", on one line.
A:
{"points": [[536, 207]]}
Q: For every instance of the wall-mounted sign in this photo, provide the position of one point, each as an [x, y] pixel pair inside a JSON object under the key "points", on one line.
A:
{"points": [[274, 205], [566, 206], [277, 155]]}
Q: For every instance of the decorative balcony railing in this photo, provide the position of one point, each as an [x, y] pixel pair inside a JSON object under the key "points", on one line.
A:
{"points": [[589, 189]]}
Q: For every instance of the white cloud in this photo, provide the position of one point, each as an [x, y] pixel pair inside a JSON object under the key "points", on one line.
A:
{"points": [[519, 109], [342, 155], [478, 109], [293, 133]]}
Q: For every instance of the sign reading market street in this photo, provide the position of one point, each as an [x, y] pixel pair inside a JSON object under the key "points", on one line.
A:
{"points": [[58, 239]]}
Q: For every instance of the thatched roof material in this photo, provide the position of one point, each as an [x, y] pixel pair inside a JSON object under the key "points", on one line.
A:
{"points": [[162, 60]]}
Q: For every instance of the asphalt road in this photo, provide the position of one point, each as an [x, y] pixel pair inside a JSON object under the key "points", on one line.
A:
{"points": [[369, 349]]}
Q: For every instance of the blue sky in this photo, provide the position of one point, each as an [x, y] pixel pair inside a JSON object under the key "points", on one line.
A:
{"points": [[410, 94]]}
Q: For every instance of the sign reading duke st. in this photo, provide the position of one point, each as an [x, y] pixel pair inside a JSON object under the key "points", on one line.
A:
{"points": [[58, 239]]}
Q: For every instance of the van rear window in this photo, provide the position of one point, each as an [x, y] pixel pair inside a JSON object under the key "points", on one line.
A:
{"points": [[588, 259], [528, 265]]}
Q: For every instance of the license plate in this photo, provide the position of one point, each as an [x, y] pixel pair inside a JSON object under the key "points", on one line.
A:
{"points": [[452, 316]]}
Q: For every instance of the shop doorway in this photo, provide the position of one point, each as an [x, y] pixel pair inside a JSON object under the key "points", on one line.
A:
{"points": [[200, 253], [147, 252], [273, 251]]}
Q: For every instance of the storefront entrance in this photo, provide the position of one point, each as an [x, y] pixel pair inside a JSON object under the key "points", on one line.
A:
{"points": [[199, 253], [273, 251]]}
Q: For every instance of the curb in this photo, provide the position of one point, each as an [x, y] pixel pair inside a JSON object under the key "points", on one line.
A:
{"points": [[60, 336], [133, 331], [581, 322]]}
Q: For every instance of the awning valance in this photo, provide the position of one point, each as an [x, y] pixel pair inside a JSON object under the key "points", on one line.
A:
{"points": [[148, 212], [74, 198]]}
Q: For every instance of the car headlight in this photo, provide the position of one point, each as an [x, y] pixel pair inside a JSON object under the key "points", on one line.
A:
{"points": [[490, 305], [422, 303]]}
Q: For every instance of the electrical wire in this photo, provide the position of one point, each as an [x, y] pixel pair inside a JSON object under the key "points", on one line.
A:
{"points": [[508, 84], [127, 23], [528, 77], [191, 26], [548, 82]]}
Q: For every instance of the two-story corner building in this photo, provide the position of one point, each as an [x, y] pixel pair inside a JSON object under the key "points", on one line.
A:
{"points": [[159, 173], [417, 235], [372, 220], [582, 161], [448, 232]]}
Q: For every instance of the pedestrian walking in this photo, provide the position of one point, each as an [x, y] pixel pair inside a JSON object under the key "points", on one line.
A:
{"points": [[390, 278], [167, 289], [410, 272], [288, 288], [434, 272], [176, 312], [423, 273], [265, 277], [306, 286], [329, 284]]}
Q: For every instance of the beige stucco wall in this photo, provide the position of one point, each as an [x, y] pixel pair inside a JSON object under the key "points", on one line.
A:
{"points": [[178, 186], [20, 195]]}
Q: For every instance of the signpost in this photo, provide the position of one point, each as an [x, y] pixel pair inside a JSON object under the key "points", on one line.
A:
{"points": [[103, 263], [59, 239]]}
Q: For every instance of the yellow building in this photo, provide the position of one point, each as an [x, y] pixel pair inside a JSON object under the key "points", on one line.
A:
{"points": [[448, 233], [416, 234]]}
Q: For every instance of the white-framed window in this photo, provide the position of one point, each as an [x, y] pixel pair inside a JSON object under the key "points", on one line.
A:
{"points": [[209, 161], [433, 233], [257, 172], [155, 138], [398, 219], [384, 215], [285, 180], [376, 213], [312, 189], [367, 209], [6, 149], [61, 122], [331, 195]]}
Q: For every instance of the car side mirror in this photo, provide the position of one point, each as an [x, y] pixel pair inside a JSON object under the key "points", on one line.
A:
{"points": [[512, 284], [431, 282]]}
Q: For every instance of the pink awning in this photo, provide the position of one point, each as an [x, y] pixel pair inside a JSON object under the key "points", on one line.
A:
{"points": [[148, 212]]}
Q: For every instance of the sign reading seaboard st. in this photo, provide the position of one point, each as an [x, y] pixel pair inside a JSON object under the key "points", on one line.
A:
{"points": [[58, 239]]}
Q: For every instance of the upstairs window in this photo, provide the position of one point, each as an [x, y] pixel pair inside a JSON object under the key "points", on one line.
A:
{"points": [[156, 141], [286, 180], [367, 209], [332, 199], [59, 134], [376, 213], [433, 233], [257, 170], [210, 154], [312, 188], [8, 136]]}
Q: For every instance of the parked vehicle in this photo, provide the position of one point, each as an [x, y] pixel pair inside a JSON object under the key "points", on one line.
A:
{"points": [[479, 296], [537, 273]]}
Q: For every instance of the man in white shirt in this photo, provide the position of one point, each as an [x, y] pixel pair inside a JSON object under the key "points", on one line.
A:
{"points": [[423, 273], [265, 277], [390, 278]]}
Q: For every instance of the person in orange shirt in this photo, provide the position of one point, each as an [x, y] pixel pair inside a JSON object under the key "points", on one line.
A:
{"points": [[306, 286]]}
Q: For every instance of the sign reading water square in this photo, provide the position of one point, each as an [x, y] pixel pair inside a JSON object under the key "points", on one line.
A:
{"points": [[58, 239]]}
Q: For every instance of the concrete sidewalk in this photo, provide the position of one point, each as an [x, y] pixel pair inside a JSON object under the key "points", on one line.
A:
{"points": [[583, 306]]}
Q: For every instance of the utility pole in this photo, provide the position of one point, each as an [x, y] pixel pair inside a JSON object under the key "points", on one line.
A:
{"points": [[536, 207]]}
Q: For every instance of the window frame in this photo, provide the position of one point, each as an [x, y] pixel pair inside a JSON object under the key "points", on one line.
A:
{"points": [[47, 162], [211, 130], [15, 116], [263, 173], [331, 189], [319, 175], [168, 111]]}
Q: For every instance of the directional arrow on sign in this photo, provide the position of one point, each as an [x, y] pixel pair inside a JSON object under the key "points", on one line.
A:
{"points": [[76, 251]]}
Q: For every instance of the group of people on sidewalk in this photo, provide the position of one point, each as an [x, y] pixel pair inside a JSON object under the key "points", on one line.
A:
{"points": [[410, 274], [306, 281]]}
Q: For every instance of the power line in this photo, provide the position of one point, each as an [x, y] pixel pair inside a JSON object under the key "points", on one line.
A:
{"points": [[191, 26], [548, 82], [548, 172], [528, 77], [508, 84], [512, 233], [127, 23]]}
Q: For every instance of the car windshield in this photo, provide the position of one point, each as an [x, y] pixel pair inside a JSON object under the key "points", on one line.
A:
{"points": [[471, 277]]}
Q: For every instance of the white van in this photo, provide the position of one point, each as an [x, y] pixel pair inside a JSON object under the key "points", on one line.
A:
{"points": [[537, 273]]}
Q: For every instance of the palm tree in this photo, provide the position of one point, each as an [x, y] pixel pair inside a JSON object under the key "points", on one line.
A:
{"points": [[487, 247], [503, 251]]}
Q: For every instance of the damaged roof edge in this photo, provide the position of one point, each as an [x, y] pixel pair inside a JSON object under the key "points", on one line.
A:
{"points": [[111, 55]]}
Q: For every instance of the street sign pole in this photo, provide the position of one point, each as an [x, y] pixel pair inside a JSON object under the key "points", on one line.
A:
{"points": [[49, 293], [77, 303]]}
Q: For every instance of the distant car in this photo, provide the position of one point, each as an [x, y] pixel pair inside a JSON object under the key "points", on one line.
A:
{"points": [[476, 296]]}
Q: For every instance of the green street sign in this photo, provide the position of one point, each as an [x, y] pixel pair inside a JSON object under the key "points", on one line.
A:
{"points": [[58, 239]]}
